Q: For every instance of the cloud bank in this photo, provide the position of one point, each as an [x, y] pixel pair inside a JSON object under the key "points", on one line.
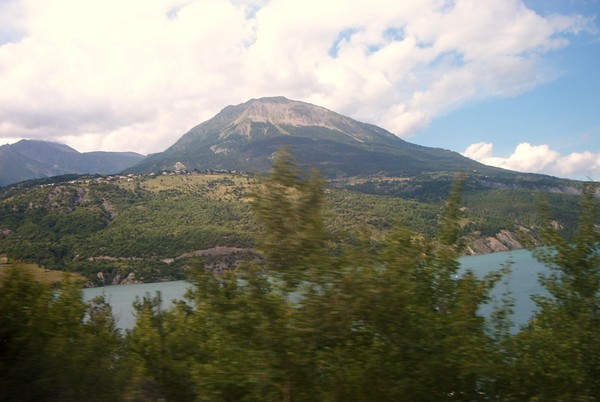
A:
{"points": [[539, 159], [135, 75]]}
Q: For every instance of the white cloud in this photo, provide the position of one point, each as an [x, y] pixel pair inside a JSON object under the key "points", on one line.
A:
{"points": [[539, 159], [136, 75]]}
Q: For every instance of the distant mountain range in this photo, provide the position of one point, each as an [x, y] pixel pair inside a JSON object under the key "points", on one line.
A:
{"points": [[245, 137], [29, 159]]}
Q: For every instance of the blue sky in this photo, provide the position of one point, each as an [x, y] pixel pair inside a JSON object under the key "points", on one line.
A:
{"points": [[510, 83], [563, 113]]}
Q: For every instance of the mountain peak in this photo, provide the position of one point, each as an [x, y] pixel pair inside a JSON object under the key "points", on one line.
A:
{"points": [[39, 147], [285, 115], [272, 99], [245, 137], [281, 111]]}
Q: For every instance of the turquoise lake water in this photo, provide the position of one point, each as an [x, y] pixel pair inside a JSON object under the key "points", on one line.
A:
{"points": [[522, 282]]}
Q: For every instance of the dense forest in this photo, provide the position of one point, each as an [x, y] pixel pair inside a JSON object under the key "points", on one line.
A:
{"points": [[316, 320]]}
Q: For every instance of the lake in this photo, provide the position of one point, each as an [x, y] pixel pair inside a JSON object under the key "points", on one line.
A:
{"points": [[522, 282]]}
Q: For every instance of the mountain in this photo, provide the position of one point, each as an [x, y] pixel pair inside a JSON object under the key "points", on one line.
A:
{"points": [[29, 159], [244, 137]]}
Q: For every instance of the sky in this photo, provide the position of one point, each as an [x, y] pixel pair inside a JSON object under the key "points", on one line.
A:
{"points": [[510, 83]]}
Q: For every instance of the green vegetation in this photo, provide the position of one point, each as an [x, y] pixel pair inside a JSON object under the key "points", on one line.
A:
{"points": [[53, 346], [146, 225], [351, 323], [493, 210], [39, 274], [92, 225], [557, 356]]}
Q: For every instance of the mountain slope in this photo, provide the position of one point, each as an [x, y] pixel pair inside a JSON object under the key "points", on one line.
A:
{"points": [[28, 159], [244, 137], [15, 167], [151, 225]]}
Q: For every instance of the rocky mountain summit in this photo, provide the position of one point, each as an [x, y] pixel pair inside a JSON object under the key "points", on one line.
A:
{"points": [[244, 137], [283, 114]]}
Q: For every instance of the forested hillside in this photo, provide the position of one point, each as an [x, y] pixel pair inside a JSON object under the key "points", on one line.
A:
{"points": [[395, 321], [142, 228]]}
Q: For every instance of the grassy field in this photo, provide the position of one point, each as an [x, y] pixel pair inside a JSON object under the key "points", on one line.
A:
{"points": [[40, 274]]}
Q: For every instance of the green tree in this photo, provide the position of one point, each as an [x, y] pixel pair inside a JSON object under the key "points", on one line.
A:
{"points": [[241, 336], [558, 353], [400, 324], [229, 340], [312, 323], [289, 211], [159, 354], [53, 346]]}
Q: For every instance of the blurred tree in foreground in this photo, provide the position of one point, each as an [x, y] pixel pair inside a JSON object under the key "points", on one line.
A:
{"points": [[317, 322], [557, 356], [325, 324], [55, 347]]}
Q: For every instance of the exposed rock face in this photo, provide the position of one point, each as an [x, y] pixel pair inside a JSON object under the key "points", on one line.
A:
{"points": [[509, 240], [130, 279], [504, 240], [116, 279], [109, 207], [486, 245], [282, 113]]}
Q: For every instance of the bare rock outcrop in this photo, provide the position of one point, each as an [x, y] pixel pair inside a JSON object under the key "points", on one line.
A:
{"points": [[504, 240]]}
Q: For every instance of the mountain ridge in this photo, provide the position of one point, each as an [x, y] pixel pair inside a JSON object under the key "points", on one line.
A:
{"points": [[34, 159]]}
